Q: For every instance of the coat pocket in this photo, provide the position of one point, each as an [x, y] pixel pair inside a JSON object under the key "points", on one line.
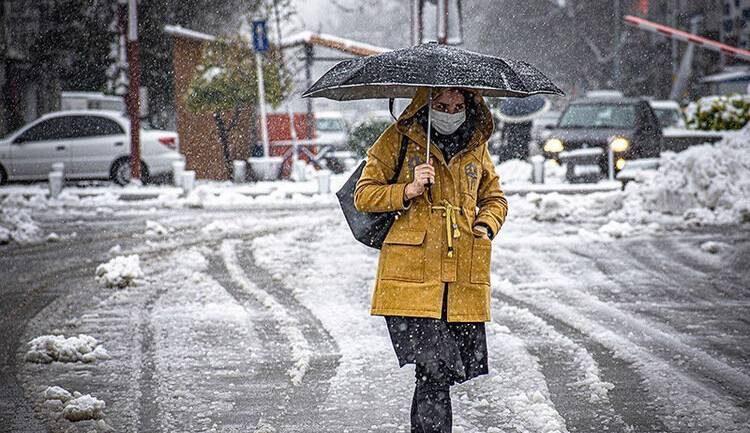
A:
{"points": [[480, 261], [403, 256]]}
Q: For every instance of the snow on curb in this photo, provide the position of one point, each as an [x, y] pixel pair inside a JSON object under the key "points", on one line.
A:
{"points": [[49, 348], [288, 324], [120, 271], [75, 407]]}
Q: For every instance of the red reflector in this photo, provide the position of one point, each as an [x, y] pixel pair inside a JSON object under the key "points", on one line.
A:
{"points": [[170, 142]]}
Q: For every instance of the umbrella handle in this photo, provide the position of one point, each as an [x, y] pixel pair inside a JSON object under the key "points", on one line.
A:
{"points": [[429, 140]]}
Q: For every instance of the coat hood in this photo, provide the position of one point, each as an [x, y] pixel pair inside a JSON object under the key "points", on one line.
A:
{"points": [[485, 123]]}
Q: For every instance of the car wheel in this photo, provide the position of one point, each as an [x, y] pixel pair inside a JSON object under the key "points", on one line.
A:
{"points": [[3, 176], [120, 172]]}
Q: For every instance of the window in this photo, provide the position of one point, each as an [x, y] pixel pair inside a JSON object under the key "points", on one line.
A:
{"points": [[669, 117], [95, 126], [330, 125], [728, 26], [599, 116], [56, 128]]}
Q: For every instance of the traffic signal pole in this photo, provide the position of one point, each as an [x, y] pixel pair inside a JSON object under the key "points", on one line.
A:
{"points": [[134, 105]]}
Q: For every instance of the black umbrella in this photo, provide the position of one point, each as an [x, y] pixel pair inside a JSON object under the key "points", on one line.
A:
{"points": [[398, 74], [520, 110]]}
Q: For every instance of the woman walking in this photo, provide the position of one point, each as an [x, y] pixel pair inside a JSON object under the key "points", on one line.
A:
{"points": [[433, 277]]}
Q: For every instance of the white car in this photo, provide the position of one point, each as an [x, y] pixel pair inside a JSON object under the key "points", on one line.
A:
{"points": [[93, 144], [331, 130]]}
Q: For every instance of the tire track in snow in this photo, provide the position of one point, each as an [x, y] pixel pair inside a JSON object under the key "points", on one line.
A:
{"points": [[289, 326], [653, 328], [689, 402], [579, 372], [289, 407]]}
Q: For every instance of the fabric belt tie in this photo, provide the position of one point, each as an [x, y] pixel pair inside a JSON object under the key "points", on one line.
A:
{"points": [[451, 222]]}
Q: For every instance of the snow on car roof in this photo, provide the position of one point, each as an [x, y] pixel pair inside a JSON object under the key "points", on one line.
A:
{"points": [[328, 115], [664, 104], [105, 113]]}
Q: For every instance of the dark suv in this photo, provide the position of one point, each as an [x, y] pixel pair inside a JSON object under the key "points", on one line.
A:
{"points": [[590, 127]]}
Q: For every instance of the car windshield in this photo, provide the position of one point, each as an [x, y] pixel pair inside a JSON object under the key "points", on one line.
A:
{"points": [[330, 125], [599, 116], [668, 117]]}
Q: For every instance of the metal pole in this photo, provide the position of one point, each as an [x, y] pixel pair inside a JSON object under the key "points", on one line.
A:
{"points": [[290, 113], [611, 162], [262, 102], [616, 58], [420, 22], [445, 21], [134, 106], [309, 52], [675, 53]]}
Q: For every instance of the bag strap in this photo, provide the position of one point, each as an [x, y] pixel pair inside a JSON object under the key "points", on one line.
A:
{"points": [[401, 157]]}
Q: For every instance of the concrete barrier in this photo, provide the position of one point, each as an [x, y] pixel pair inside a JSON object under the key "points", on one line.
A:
{"points": [[178, 167], [187, 181], [537, 168], [324, 181], [239, 171], [56, 179]]}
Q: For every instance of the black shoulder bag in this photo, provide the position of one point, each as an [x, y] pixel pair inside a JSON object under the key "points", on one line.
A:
{"points": [[370, 228]]}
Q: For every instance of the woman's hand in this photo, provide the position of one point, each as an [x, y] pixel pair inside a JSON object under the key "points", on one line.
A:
{"points": [[483, 230], [423, 174]]}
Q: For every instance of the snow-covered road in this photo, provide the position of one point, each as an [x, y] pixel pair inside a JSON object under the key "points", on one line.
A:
{"points": [[246, 318]]}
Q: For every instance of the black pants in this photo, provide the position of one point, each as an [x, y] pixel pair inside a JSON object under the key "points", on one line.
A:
{"points": [[431, 410]]}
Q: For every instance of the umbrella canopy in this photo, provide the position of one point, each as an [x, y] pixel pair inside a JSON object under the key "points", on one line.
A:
{"points": [[515, 110], [397, 74]]}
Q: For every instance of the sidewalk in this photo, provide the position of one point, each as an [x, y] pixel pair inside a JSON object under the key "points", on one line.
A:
{"points": [[280, 189]]}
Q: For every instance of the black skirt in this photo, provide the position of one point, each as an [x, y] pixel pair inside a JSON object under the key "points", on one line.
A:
{"points": [[460, 347]]}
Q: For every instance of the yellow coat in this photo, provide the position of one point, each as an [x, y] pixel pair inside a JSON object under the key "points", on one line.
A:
{"points": [[415, 260]]}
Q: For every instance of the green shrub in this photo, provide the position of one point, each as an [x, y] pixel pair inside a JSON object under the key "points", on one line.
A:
{"points": [[364, 135], [719, 113]]}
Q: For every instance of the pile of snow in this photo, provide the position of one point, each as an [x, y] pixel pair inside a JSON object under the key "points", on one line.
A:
{"points": [[713, 247], [120, 271], [154, 229], [709, 183], [74, 407], [553, 172], [567, 207], [219, 227], [514, 171], [706, 184], [16, 224], [115, 251], [48, 348], [617, 229]]}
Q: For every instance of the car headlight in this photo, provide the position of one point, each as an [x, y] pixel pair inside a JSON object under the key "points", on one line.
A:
{"points": [[619, 144], [620, 163], [553, 145]]}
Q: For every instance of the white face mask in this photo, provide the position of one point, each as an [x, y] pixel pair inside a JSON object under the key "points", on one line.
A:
{"points": [[447, 123]]}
